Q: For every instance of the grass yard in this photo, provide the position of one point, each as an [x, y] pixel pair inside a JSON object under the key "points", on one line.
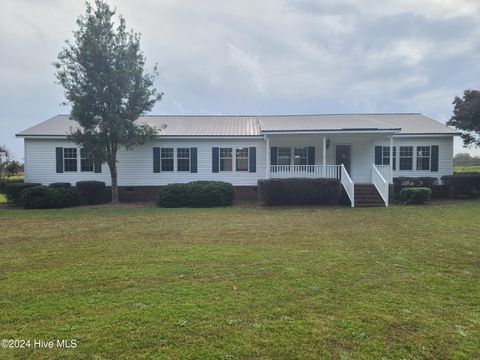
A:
{"points": [[334, 283], [467, 169]]}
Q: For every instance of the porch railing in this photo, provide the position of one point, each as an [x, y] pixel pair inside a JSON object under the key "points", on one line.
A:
{"points": [[380, 183], [305, 171], [384, 171], [348, 184]]}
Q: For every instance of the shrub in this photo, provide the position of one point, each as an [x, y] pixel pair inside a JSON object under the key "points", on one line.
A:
{"points": [[13, 191], [196, 194], [463, 185], [43, 197], [61, 185], [402, 182], [415, 195], [91, 192], [299, 191]]}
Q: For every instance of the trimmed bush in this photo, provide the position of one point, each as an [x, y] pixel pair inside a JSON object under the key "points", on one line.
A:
{"points": [[61, 185], [402, 182], [463, 185], [13, 191], [415, 195], [299, 191], [91, 192], [196, 194], [43, 197]]}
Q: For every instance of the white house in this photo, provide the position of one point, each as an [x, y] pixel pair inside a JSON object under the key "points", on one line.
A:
{"points": [[358, 149]]}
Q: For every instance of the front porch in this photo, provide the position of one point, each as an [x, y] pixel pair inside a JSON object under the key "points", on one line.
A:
{"points": [[347, 157]]}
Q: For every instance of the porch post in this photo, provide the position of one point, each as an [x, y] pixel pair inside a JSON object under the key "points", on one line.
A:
{"points": [[391, 160], [324, 155], [267, 165]]}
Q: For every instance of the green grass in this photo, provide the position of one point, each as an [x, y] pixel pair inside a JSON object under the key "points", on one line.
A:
{"points": [[467, 169], [340, 283]]}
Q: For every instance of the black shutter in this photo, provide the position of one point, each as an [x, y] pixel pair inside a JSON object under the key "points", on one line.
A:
{"points": [[273, 156], [252, 159], [97, 166], [215, 159], [311, 155], [156, 159], [193, 160], [378, 155], [59, 156], [434, 166], [394, 158]]}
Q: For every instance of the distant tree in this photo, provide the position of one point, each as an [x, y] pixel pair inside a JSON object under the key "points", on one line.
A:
{"points": [[102, 73], [13, 167], [466, 117], [5, 160]]}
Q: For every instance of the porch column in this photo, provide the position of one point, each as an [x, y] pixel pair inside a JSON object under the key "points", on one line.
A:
{"points": [[267, 165], [391, 160], [324, 156]]}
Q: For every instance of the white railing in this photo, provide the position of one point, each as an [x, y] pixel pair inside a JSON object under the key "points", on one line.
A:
{"points": [[384, 171], [381, 183], [348, 184], [305, 171]]}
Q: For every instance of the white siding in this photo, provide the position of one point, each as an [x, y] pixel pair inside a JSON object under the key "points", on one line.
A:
{"points": [[135, 168], [445, 154]]}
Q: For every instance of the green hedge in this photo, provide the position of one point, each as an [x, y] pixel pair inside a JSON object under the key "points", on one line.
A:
{"points": [[463, 185], [13, 191], [43, 197], [91, 192], [196, 194], [439, 190], [299, 191], [61, 185], [415, 195]]}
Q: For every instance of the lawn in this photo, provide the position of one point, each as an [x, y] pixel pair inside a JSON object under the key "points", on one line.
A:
{"points": [[341, 283], [467, 169]]}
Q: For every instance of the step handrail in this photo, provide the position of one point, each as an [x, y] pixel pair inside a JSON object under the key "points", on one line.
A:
{"points": [[348, 184], [380, 183]]}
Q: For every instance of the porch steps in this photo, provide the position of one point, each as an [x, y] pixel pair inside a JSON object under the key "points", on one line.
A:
{"points": [[366, 195]]}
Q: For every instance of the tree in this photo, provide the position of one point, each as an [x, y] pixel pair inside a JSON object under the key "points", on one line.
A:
{"points": [[102, 73], [12, 168], [466, 117], [5, 160]]}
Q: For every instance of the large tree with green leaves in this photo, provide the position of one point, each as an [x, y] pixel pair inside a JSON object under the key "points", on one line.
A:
{"points": [[102, 73], [466, 117]]}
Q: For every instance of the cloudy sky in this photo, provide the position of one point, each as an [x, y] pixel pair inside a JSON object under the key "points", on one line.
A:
{"points": [[258, 56]]}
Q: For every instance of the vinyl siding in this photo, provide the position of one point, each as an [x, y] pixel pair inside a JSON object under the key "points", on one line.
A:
{"points": [[135, 168]]}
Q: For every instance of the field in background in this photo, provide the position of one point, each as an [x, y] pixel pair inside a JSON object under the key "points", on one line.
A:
{"points": [[234, 283], [467, 169]]}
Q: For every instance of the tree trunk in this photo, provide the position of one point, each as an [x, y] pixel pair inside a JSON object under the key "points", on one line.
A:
{"points": [[114, 176]]}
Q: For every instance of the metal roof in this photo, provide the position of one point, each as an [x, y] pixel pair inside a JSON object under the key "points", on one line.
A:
{"points": [[212, 125]]}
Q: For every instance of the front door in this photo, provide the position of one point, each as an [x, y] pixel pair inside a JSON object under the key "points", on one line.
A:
{"points": [[343, 156]]}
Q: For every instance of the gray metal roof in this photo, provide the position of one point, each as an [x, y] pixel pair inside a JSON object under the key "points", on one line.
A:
{"points": [[404, 124]]}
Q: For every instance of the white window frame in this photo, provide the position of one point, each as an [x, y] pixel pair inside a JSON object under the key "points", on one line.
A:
{"points": [[65, 158], [172, 158], [243, 157], [220, 158], [183, 157], [281, 156], [406, 157], [295, 156], [429, 157]]}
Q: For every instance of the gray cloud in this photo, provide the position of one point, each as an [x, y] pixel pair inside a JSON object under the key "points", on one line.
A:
{"points": [[258, 57]]}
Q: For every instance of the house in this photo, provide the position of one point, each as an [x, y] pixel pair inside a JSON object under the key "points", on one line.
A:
{"points": [[359, 149]]}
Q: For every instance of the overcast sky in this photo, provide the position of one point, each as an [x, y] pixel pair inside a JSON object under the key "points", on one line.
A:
{"points": [[258, 56]]}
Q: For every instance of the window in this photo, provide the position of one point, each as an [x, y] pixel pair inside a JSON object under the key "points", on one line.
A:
{"points": [[386, 156], [423, 157], [284, 156], [86, 162], [226, 159], [242, 159], [406, 157], [166, 159], [300, 155], [183, 159], [69, 159]]}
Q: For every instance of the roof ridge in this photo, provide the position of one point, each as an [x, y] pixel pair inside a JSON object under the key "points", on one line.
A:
{"points": [[272, 115]]}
